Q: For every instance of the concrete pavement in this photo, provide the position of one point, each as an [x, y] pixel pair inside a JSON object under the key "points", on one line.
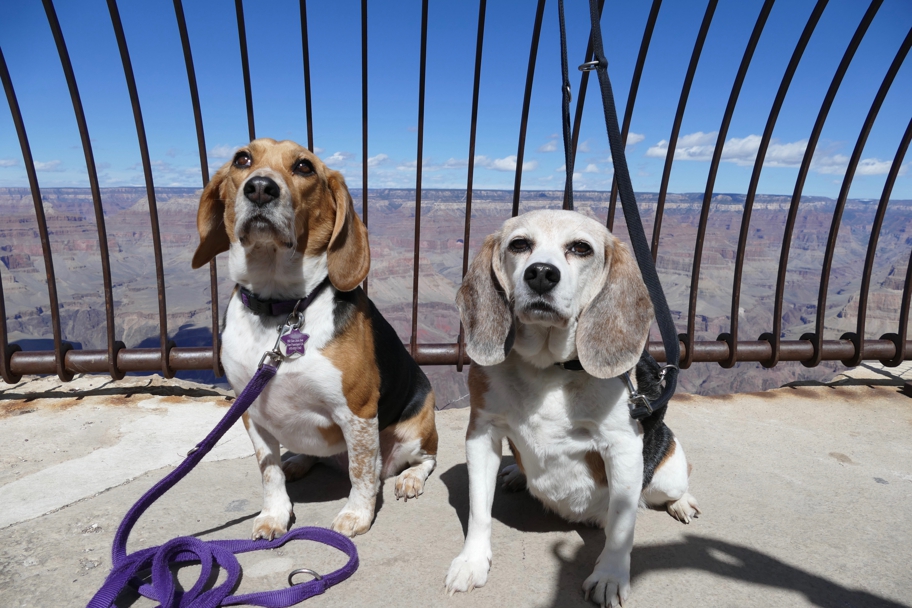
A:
{"points": [[806, 493]]}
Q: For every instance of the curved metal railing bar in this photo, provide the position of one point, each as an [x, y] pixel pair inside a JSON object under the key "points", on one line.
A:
{"points": [[732, 336], [840, 207], [166, 344], [527, 98], [631, 99], [6, 349], [60, 346], [688, 338], [775, 336], [422, 71], [676, 127], [363, 120], [899, 340], [890, 348], [866, 274], [113, 345], [308, 106], [204, 172], [470, 179], [245, 66]]}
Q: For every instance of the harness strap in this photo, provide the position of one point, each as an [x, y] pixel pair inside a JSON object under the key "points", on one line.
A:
{"points": [[218, 552], [628, 200]]}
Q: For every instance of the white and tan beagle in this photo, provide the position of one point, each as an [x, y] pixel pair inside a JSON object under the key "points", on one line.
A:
{"points": [[548, 288], [288, 223]]}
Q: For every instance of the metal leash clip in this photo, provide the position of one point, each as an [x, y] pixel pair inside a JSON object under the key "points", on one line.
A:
{"points": [[639, 405], [290, 342], [589, 66]]}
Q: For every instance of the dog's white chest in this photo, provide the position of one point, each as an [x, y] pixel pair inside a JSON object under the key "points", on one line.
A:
{"points": [[305, 392], [561, 424]]}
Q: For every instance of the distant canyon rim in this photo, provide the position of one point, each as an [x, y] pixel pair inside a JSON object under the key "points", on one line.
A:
{"points": [[391, 217]]}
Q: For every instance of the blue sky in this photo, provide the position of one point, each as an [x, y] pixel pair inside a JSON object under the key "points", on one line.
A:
{"points": [[274, 41]]}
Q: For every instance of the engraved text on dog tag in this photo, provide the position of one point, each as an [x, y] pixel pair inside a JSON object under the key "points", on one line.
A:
{"points": [[293, 343]]}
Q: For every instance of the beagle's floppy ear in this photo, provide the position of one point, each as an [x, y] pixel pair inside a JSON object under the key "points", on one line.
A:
{"points": [[484, 307], [348, 254], [613, 328], [210, 221]]}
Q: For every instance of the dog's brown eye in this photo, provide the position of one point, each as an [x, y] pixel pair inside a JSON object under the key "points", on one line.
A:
{"points": [[242, 160], [520, 245], [580, 248], [303, 167]]}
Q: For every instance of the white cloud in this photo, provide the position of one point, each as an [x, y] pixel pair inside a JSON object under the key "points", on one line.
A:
{"points": [[318, 150], [583, 147], [373, 161], [742, 151], [455, 163], [222, 151], [874, 166], [591, 168], [837, 164], [338, 158], [635, 138], [8, 162], [507, 163], [51, 165], [551, 146]]}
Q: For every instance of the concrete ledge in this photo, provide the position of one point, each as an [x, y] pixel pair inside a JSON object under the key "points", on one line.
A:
{"points": [[806, 493]]}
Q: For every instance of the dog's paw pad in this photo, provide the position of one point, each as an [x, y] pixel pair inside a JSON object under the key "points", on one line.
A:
{"points": [[607, 587], [512, 479], [409, 484], [351, 522], [684, 508], [268, 526], [467, 572]]}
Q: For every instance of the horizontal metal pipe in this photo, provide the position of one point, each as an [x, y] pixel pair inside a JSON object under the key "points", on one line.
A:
{"points": [[200, 358]]}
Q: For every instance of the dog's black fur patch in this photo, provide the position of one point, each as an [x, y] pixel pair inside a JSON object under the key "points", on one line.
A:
{"points": [[657, 437], [403, 385]]}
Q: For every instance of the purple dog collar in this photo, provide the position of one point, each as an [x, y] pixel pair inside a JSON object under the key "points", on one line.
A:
{"points": [[275, 308]]}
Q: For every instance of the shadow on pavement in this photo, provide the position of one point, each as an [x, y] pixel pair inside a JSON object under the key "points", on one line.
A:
{"points": [[720, 558]]}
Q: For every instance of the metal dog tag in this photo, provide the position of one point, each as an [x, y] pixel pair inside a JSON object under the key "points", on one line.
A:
{"points": [[292, 343]]}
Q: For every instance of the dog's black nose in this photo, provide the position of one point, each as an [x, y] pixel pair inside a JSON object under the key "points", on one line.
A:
{"points": [[261, 190], [542, 277]]}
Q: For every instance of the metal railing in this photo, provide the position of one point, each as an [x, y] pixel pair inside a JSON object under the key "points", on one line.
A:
{"points": [[728, 349]]}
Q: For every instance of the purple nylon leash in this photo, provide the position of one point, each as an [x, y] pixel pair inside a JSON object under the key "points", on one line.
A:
{"points": [[220, 553]]}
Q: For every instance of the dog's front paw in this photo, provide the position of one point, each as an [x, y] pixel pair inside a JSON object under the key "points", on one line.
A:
{"points": [[352, 522], [409, 484], [684, 508], [467, 572], [512, 479], [608, 585], [270, 525]]}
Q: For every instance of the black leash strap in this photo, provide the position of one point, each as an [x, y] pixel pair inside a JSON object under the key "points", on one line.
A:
{"points": [[628, 200], [565, 110]]}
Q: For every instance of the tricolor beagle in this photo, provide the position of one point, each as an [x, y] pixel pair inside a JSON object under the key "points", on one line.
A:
{"points": [[548, 288], [289, 226]]}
